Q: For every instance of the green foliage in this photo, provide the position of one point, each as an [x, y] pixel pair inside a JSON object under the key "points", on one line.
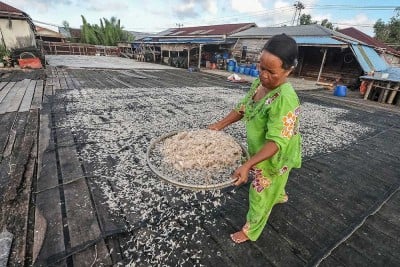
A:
{"points": [[306, 19], [109, 32], [388, 32], [4, 53]]}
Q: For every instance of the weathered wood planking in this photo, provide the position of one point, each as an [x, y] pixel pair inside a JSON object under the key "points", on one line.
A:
{"points": [[27, 100], [20, 89], [38, 96], [281, 255], [6, 122], [3, 94], [21, 163], [80, 212], [49, 238], [2, 85]]}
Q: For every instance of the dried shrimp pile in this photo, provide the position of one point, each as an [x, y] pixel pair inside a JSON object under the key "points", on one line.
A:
{"points": [[201, 149], [200, 157]]}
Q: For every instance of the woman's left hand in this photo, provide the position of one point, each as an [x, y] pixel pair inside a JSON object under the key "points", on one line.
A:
{"points": [[241, 175]]}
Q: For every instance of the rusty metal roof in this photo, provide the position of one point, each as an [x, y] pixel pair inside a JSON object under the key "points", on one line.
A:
{"points": [[10, 9], [223, 29], [356, 34]]}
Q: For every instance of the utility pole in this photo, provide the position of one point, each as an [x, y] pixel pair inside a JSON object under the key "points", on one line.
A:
{"points": [[296, 17], [179, 25]]}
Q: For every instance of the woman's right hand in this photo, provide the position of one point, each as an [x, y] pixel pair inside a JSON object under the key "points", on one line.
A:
{"points": [[215, 127]]}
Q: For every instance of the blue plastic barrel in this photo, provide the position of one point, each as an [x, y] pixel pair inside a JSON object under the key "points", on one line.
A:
{"points": [[253, 66], [241, 69], [231, 68], [340, 90], [247, 71], [255, 73], [236, 69]]}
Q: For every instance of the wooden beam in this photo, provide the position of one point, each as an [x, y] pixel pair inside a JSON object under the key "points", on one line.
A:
{"points": [[393, 94], [322, 64], [198, 65], [370, 84]]}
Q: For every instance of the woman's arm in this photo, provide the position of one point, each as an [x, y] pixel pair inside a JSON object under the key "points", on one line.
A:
{"points": [[232, 117], [242, 173]]}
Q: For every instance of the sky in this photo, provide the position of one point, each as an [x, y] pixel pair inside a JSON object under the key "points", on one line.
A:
{"points": [[156, 16]]}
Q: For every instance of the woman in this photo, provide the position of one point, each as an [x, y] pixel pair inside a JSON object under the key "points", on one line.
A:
{"points": [[271, 112]]}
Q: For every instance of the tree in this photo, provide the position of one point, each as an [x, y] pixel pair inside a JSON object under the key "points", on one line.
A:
{"points": [[109, 32], [388, 32], [306, 19]]}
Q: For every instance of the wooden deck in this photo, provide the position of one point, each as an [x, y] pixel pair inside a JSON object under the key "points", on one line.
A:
{"points": [[76, 190]]}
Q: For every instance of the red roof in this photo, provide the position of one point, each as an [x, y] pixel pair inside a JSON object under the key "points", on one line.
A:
{"points": [[208, 30], [7, 8], [356, 34]]}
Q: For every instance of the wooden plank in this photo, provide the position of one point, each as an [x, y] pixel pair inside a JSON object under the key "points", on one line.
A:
{"points": [[37, 98], [2, 85], [220, 230], [56, 83], [17, 196], [5, 89], [6, 122], [27, 100], [3, 93], [63, 83], [14, 98], [49, 240], [378, 247], [278, 255], [81, 215]]}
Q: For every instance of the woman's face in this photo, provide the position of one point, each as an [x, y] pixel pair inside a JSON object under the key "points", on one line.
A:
{"points": [[272, 74]]}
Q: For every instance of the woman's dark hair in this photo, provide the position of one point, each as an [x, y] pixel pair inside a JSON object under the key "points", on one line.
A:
{"points": [[284, 47]]}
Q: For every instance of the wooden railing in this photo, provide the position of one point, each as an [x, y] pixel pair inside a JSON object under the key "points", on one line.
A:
{"points": [[58, 48]]}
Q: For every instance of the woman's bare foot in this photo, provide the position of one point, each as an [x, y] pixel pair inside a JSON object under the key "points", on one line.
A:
{"points": [[239, 237]]}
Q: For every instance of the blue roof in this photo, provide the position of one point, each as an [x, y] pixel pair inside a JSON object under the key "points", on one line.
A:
{"points": [[368, 59], [394, 75], [318, 40]]}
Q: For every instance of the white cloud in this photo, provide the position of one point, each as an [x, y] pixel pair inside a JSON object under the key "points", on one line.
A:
{"points": [[247, 6], [361, 22], [210, 6]]}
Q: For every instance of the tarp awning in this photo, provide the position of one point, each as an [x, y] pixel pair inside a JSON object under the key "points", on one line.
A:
{"points": [[368, 59], [324, 41]]}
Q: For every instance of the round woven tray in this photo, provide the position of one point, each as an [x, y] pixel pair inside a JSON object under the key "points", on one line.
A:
{"points": [[171, 180]]}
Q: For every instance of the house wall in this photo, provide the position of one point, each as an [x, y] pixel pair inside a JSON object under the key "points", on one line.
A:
{"points": [[18, 35], [253, 49], [392, 60]]}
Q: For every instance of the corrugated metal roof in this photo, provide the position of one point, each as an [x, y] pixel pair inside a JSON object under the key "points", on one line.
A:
{"points": [[7, 8], [318, 40], [222, 29], [353, 32], [302, 30], [394, 75], [187, 41], [294, 31], [368, 59]]}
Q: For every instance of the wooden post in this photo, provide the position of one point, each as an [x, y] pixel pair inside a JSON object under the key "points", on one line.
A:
{"points": [[384, 93], [198, 65], [322, 64], [368, 90], [393, 94], [189, 56]]}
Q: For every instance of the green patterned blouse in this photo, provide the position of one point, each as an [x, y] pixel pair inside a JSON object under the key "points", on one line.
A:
{"points": [[275, 117]]}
